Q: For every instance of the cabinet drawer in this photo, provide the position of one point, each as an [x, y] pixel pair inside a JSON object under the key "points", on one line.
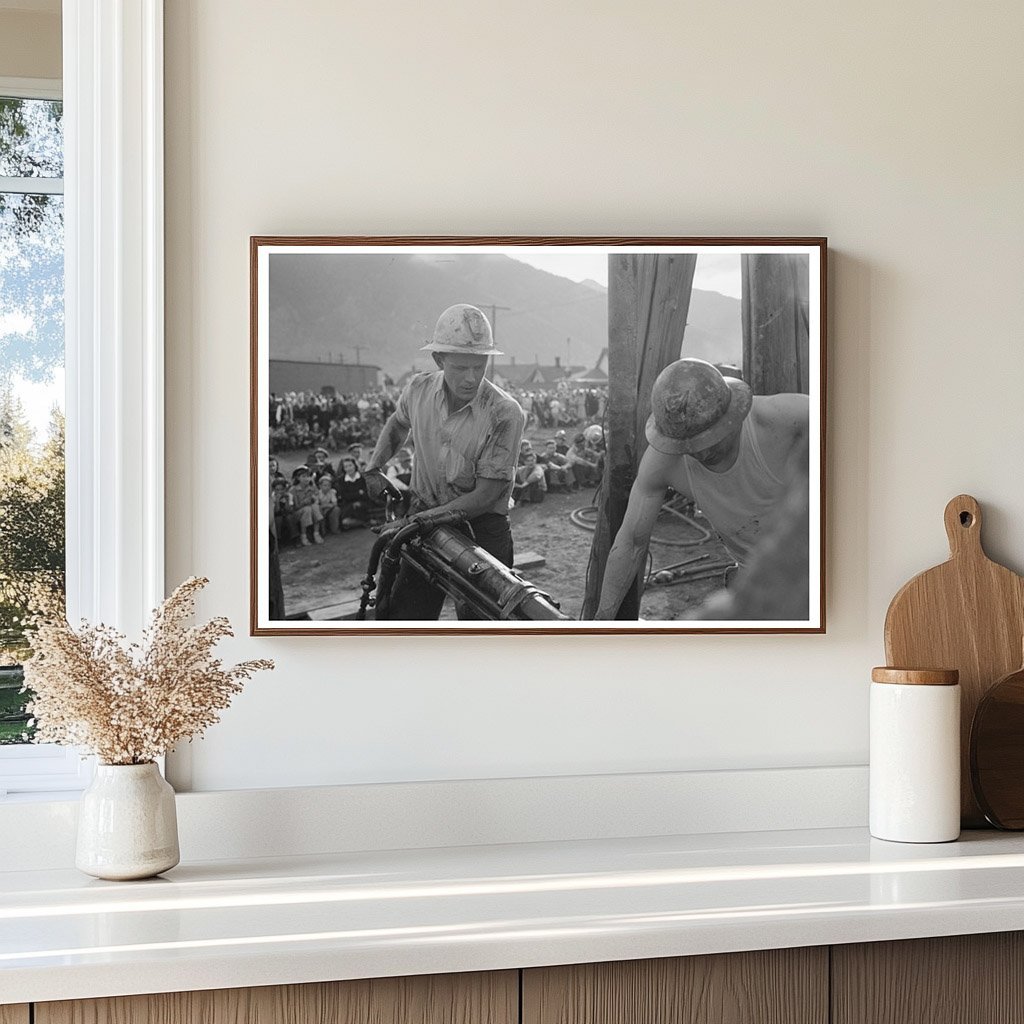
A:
{"points": [[482, 998], [962, 979], [778, 986]]}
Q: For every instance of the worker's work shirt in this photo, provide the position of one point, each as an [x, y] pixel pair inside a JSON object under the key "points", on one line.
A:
{"points": [[741, 501], [453, 450]]}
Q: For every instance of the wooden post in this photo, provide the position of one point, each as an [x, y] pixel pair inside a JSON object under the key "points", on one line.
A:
{"points": [[648, 299], [664, 287], [775, 323], [620, 420]]}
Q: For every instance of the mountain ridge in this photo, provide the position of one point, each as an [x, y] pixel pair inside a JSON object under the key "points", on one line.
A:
{"points": [[380, 309]]}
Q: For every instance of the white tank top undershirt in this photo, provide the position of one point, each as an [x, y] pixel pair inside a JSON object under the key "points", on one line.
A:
{"points": [[739, 502]]}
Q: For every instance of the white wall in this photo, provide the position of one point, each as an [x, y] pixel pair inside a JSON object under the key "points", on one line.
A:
{"points": [[894, 129]]}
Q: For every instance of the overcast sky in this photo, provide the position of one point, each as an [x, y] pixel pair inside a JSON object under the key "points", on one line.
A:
{"points": [[37, 399]]}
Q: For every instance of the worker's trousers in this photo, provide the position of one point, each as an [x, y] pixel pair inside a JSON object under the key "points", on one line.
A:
{"points": [[413, 598]]}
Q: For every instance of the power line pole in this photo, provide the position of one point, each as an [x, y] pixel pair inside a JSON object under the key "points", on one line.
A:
{"points": [[494, 329]]}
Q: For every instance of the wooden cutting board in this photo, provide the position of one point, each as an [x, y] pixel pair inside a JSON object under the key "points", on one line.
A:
{"points": [[967, 614]]}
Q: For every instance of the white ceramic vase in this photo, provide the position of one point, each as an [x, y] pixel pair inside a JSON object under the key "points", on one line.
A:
{"points": [[127, 825]]}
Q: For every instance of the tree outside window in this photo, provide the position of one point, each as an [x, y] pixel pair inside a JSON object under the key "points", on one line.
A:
{"points": [[31, 385]]}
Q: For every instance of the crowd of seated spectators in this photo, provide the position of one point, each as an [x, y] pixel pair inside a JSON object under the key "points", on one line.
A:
{"points": [[321, 498], [555, 465]]}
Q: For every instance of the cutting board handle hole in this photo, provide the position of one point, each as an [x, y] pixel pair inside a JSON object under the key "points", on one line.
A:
{"points": [[966, 519]]}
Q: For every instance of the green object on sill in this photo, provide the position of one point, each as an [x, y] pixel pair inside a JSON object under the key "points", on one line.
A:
{"points": [[13, 720]]}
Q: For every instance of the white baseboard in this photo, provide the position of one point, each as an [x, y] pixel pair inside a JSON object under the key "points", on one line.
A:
{"points": [[291, 822]]}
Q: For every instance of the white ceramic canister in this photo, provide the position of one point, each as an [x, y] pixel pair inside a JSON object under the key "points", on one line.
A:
{"points": [[915, 755]]}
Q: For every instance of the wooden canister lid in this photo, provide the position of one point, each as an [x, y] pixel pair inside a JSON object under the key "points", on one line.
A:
{"points": [[916, 676]]}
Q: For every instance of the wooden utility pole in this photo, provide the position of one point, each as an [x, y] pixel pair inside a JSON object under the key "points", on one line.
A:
{"points": [[648, 300], [665, 285], [620, 421], [775, 323], [494, 314]]}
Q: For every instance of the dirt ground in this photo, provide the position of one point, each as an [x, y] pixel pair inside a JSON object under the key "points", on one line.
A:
{"points": [[322, 580]]}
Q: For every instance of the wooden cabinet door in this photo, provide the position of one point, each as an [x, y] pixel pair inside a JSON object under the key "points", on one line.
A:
{"points": [[14, 1014], [962, 979], [482, 998], [779, 986]]}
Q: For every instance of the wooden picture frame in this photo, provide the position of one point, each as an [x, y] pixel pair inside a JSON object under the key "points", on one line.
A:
{"points": [[349, 345]]}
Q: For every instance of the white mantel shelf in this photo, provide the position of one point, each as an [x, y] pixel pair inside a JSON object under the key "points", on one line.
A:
{"points": [[226, 924]]}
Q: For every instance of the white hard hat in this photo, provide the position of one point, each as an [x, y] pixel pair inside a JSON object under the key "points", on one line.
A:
{"points": [[465, 330]]}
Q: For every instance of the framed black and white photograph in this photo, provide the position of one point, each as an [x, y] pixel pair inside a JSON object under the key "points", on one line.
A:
{"points": [[529, 435]]}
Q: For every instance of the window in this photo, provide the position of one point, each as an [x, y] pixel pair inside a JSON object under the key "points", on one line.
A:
{"points": [[32, 534], [31, 379]]}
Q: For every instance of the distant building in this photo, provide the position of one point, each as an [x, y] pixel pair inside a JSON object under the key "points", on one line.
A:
{"points": [[597, 375], [323, 378], [526, 374], [590, 377]]}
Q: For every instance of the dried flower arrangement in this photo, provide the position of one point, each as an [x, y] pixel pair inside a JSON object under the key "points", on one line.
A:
{"points": [[129, 704]]}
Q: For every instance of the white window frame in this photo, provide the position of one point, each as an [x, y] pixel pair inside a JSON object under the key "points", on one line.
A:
{"points": [[32, 89], [114, 336]]}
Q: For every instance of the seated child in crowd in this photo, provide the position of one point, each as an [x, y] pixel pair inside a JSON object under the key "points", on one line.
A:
{"points": [[307, 506], [353, 499], [327, 498], [318, 462], [282, 505], [530, 485]]}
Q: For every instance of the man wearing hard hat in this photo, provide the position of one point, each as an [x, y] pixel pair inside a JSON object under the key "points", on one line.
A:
{"points": [[714, 442], [466, 432]]}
